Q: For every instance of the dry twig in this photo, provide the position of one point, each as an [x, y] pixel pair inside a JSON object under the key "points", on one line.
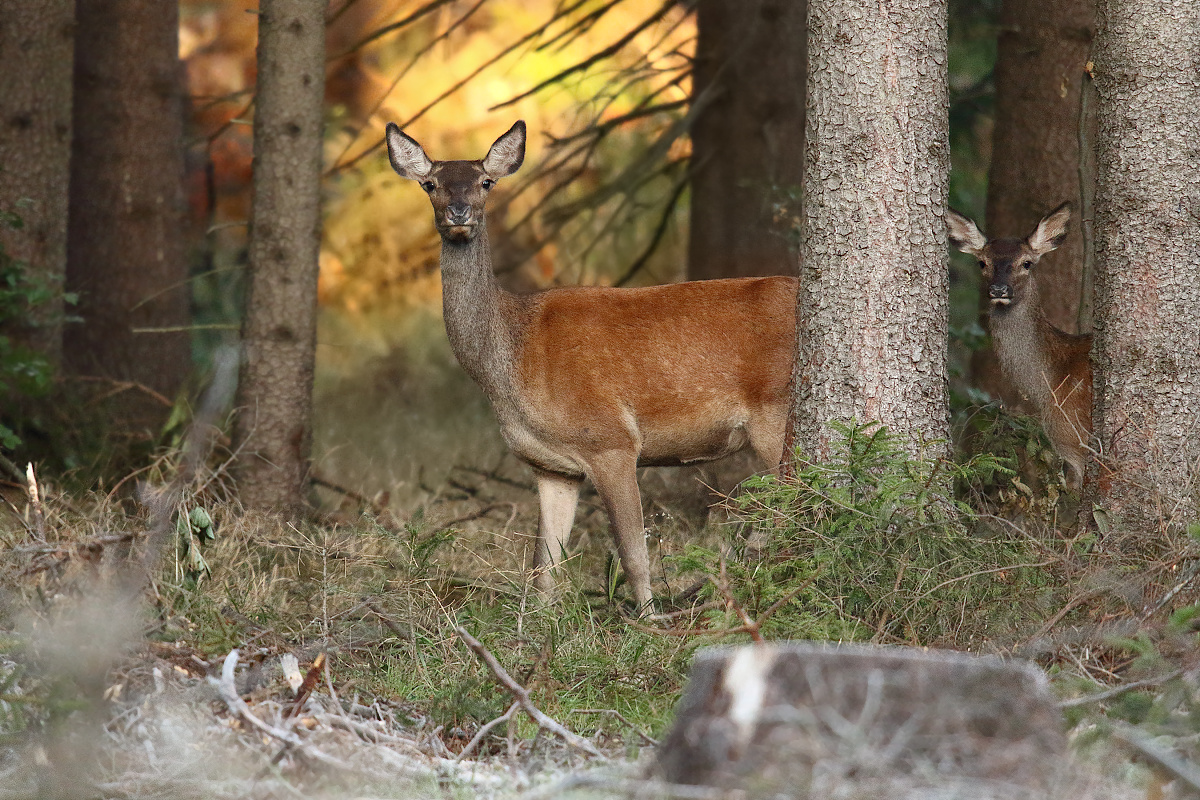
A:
{"points": [[522, 696], [238, 707]]}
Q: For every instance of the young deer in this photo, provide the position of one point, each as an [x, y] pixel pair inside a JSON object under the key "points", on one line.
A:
{"points": [[594, 382], [1053, 369]]}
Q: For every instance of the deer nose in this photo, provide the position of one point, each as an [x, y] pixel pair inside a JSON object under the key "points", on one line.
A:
{"points": [[458, 213], [1000, 292]]}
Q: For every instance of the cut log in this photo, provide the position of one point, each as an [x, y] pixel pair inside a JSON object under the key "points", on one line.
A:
{"points": [[809, 720]]}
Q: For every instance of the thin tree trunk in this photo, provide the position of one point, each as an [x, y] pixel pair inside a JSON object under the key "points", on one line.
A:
{"points": [[274, 429], [1041, 56], [747, 147], [37, 40], [872, 308], [125, 254], [1147, 381]]}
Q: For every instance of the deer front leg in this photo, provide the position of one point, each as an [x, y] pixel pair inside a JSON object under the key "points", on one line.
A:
{"points": [[557, 497], [614, 474]]}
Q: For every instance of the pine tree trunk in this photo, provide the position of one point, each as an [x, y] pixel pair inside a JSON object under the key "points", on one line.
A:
{"points": [[36, 54], [125, 254], [747, 154], [872, 309], [1041, 57], [1147, 398], [274, 428]]}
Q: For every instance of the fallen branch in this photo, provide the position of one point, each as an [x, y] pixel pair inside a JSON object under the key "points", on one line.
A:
{"points": [[522, 696], [1117, 691], [1161, 758], [401, 631], [237, 706], [612, 712], [486, 729]]}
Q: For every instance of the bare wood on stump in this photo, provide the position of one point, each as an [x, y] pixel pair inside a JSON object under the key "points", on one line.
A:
{"points": [[37, 40], [872, 307], [778, 717], [1041, 55], [747, 144], [125, 254], [279, 332], [1146, 415]]}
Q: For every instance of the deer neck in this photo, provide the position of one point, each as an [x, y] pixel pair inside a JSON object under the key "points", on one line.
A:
{"points": [[1020, 337], [476, 311]]}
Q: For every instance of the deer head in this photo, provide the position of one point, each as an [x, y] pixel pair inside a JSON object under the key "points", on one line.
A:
{"points": [[1008, 263], [457, 189]]}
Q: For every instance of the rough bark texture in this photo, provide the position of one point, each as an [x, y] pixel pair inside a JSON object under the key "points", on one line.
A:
{"points": [[799, 719], [1147, 381], [1040, 61], [125, 254], [274, 427], [747, 153], [872, 308], [36, 54]]}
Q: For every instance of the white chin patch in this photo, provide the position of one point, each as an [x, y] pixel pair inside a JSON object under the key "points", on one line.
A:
{"points": [[1000, 301]]}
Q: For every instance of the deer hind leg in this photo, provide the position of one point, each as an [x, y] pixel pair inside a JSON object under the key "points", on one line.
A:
{"points": [[557, 497], [614, 474]]}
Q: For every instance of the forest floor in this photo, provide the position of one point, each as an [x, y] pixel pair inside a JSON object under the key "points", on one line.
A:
{"points": [[156, 640], [333, 657]]}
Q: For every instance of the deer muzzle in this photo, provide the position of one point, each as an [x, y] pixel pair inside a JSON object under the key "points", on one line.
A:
{"points": [[1000, 294]]}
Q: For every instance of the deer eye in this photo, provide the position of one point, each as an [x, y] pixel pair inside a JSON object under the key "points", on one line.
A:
{"points": [[983, 265], [428, 186], [488, 183], [1026, 265]]}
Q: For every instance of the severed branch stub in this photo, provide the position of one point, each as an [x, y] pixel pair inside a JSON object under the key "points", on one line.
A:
{"points": [[522, 696]]}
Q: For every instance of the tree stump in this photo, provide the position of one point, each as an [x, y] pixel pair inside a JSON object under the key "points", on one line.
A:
{"points": [[801, 720]]}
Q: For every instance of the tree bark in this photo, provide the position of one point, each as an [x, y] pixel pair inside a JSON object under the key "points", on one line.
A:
{"points": [[1041, 56], [125, 254], [872, 308], [747, 154], [274, 428], [37, 40], [1147, 362]]}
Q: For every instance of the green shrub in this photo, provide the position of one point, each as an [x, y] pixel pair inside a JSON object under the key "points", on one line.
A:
{"points": [[886, 552]]}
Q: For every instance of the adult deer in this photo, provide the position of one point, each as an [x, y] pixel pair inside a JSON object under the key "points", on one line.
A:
{"points": [[1051, 368], [594, 382]]}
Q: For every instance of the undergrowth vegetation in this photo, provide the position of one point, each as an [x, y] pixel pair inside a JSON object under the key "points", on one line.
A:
{"points": [[976, 553]]}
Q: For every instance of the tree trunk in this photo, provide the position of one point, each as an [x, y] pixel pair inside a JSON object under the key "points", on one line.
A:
{"points": [[36, 54], [274, 428], [747, 154], [1040, 62], [1147, 380], [125, 254], [872, 309]]}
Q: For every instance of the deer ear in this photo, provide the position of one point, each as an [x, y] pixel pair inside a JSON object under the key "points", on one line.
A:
{"points": [[408, 158], [964, 234], [1051, 231], [507, 152]]}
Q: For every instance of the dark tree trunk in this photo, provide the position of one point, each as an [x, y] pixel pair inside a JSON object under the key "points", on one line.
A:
{"points": [[125, 254], [274, 428], [871, 314], [748, 143], [1147, 381], [36, 54], [1041, 57]]}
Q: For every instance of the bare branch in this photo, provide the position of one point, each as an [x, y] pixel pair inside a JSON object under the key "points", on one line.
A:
{"points": [[592, 59], [522, 696]]}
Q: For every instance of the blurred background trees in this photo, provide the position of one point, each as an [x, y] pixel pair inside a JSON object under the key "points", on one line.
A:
{"points": [[666, 141]]}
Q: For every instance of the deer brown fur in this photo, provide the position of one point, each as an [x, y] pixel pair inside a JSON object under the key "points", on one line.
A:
{"points": [[594, 382], [1051, 368]]}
